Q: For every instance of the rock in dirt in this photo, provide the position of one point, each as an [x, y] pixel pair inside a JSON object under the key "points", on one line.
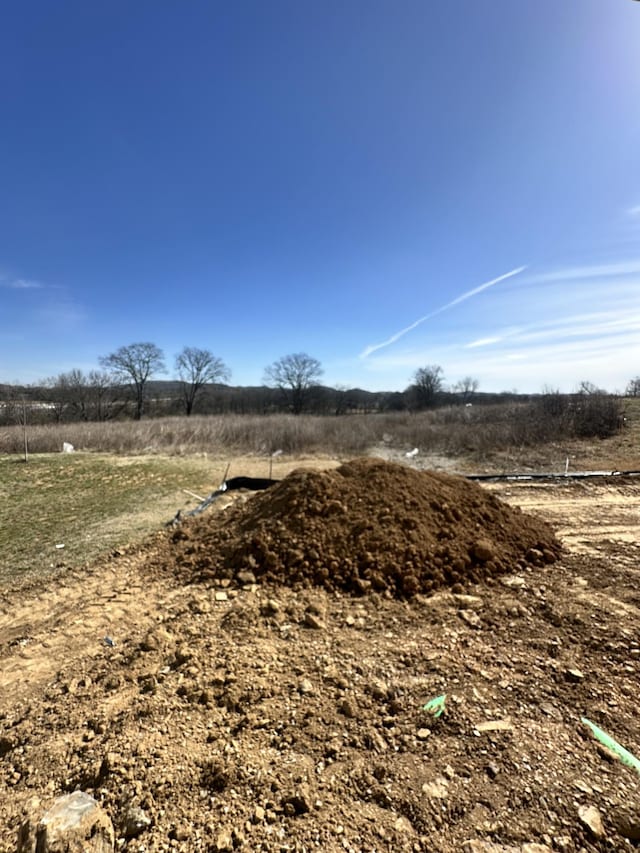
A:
{"points": [[136, 820], [311, 620], [369, 525], [590, 817], [438, 789], [75, 823]]}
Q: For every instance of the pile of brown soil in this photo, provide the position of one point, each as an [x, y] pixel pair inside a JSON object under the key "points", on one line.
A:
{"points": [[368, 525]]}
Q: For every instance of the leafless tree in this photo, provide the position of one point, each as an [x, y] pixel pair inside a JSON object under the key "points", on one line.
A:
{"points": [[135, 364], [588, 388], [633, 388], [102, 404], [294, 375], [426, 385], [56, 395], [466, 387], [195, 368]]}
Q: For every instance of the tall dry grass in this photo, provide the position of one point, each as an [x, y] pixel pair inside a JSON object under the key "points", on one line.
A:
{"points": [[454, 430]]}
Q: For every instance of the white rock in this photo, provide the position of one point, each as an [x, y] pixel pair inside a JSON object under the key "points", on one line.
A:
{"points": [[590, 817], [75, 823]]}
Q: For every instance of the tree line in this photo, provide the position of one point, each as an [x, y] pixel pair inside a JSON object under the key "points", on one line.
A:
{"points": [[127, 385]]}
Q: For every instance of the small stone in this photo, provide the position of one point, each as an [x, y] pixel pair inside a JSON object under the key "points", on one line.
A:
{"points": [[223, 842], [270, 607], [514, 582], [551, 711], [535, 556], [312, 620], [379, 690], [221, 595], [492, 770], [136, 820], [346, 707], [574, 675], [403, 825], [468, 602], [300, 801], [438, 789], [258, 814], [494, 726], [590, 817], [305, 687], [180, 832], [423, 734], [245, 577], [532, 847], [470, 617], [606, 753]]}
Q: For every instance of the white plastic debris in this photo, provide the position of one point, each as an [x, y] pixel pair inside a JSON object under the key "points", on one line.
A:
{"points": [[67, 447]]}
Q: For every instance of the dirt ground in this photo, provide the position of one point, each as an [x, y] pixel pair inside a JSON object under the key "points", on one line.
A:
{"points": [[205, 716]]}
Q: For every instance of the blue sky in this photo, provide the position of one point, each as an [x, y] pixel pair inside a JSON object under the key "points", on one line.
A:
{"points": [[384, 184]]}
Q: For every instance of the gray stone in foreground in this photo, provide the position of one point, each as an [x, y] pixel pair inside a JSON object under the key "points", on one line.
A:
{"points": [[75, 823]]}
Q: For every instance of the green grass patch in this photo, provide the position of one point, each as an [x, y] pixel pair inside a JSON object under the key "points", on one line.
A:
{"points": [[89, 503]]}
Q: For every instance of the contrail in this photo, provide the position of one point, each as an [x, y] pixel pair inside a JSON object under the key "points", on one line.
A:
{"points": [[462, 298]]}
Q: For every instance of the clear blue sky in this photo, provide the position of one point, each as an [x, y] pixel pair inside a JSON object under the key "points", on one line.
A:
{"points": [[260, 178]]}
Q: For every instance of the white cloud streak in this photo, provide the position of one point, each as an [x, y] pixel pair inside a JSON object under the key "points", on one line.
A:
{"points": [[594, 325], [580, 322], [25, 284], [20, 283], [593, 271], [462, 298]]}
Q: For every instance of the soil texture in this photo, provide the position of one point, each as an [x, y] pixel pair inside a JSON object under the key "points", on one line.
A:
{"points": [[213, 702]]}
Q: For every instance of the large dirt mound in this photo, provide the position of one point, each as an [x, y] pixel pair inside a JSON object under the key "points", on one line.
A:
{"points": [[366, 525]]}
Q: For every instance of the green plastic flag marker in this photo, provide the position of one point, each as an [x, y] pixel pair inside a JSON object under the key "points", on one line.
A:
{"points": [[606, 740], [436, 706]]}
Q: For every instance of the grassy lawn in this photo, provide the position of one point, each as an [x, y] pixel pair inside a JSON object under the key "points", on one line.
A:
{"points": [[90, 503]]}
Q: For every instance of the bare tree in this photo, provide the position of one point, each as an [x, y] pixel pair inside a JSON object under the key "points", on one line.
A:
{"points": [[135, 364], [633, 388], [426, 385], [466, 387], [197, 367], [57, 395], [588, 388], [102, 404], [294, 374], [91, 396]]}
